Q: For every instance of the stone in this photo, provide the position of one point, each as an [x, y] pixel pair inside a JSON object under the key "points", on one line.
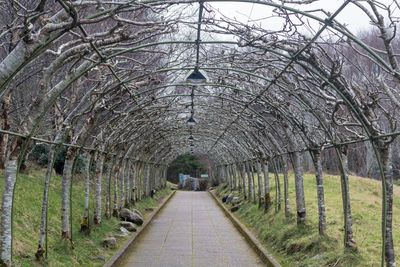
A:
{"points": [[224, 198], [124, 231], [229, 199], [235, 200], [128, 226], [131, 216], [109, 242], [137, 212], [235, 208]]}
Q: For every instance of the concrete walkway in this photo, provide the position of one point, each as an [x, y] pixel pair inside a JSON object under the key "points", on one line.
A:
{"points": [[191, 231]]}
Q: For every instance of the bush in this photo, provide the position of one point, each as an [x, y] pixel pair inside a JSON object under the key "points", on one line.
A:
{"points": [[60, 158], [39, 154]]}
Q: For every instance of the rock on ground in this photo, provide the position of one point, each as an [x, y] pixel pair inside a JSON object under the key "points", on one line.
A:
{"points": [[235, 200], [128, 226], [235, 208], [132, 216], [109, 242], [229, 199]]}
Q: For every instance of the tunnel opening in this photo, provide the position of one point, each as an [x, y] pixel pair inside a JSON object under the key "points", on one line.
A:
{"points": [[191, 171]]}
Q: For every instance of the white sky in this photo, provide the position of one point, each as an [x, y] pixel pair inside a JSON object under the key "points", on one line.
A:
{"points": [[252, 13]]}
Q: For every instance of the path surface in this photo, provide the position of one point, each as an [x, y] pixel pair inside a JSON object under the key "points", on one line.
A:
{"points": [[191, 231]]}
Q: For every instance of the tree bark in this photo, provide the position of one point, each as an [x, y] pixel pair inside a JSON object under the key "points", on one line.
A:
{"points": [[316, 156], [299, 186], [278, 195], [286, 185], [243, 177], [98, 184], [42, 244], [348, 221], [5, 125], [10, 178], [85, 224], [134, 183], [253, 195], [250, 184], [110, 167], [385, 154], [66, 192], [267, 188], [116, 173], [147, 180], [122, 184], [259, 184]]}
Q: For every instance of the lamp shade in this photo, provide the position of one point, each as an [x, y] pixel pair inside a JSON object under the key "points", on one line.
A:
{"points": [[191, 121], [196, 76]]}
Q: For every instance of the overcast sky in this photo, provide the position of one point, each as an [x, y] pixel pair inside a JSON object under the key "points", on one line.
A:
{"points": [[253, 13]]}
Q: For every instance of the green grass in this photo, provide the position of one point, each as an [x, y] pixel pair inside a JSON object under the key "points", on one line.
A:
{"points": [[87, 249], [302, 246]]}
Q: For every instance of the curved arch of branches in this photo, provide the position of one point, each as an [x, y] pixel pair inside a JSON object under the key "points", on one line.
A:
{"points": [[107, 79]]}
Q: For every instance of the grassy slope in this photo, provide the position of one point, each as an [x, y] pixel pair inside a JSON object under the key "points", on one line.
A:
{"points": [[87, 249], [302, 246]]}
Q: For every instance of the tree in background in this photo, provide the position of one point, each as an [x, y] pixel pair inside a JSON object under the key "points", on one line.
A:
{"points": [[186, 164]]}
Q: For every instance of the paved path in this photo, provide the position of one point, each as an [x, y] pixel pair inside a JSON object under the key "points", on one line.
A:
{"points": [[191, 231]]}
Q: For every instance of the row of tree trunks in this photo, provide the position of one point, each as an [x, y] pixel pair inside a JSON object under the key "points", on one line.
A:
{"points": [[247, 172]]}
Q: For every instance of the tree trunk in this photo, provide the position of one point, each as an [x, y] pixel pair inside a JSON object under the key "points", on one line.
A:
{"points": [[299, 186], [385, 155], [10, 178], [134, 190], [253, 195], [110, 166], [243, 177], [278, 195], [231, 176], [286, 185], [258, 169], [316, 156], [267, 188], [42, 244], [99, 176], [5, 125], [85, 224], [122, 185], [147, 180], [250, 184], [348, 221], [127, 183], [116, 173], [65, 193]]}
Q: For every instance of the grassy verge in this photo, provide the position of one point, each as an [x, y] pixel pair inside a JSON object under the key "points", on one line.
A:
{"points": [[302, 246], [87, 249]]}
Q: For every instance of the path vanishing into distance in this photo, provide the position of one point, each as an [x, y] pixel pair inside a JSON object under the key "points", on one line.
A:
{"points": [[191, 231]]}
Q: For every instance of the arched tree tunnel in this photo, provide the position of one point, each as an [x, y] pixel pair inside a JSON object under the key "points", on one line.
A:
{"points": [[131, 85]]}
